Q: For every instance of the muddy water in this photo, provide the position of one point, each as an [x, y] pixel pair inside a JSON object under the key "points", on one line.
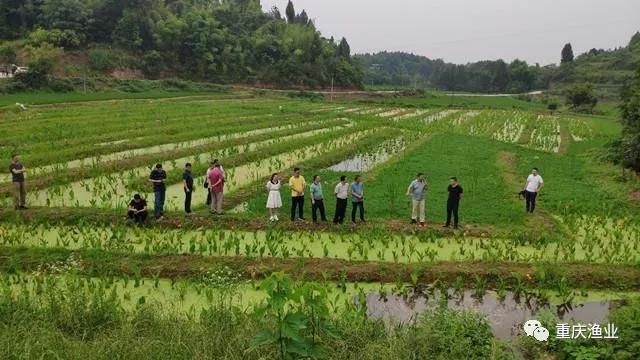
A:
{"points": [[506, 317], [365, 162]]}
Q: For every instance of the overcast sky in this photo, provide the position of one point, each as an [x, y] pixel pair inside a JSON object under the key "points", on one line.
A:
{"points": [[462, 31]]}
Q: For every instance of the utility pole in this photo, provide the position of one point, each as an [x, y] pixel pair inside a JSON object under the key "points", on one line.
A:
{"points": [[332, 87]]}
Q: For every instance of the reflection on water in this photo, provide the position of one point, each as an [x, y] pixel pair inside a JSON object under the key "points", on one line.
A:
{"points": [[365, 162], [505, 317]]}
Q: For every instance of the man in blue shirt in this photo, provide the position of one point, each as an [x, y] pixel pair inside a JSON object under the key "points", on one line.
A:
{"points": [[357, 199], [416, 189], [317, 200]]}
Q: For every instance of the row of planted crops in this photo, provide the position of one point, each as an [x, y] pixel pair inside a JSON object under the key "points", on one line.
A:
{"points": [[84, 283]]}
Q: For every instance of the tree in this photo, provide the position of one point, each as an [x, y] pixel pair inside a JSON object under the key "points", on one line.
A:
{"points": [[42, 61], [7, 53], [275, 13], [291, 13], [567, 54], [344, 50], [303, 18], [635, 41], [626, 150], [580, 97], [67, 15], [152, 64]]}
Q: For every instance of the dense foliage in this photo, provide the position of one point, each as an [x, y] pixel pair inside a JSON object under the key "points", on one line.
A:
{"points": [[626, 150], [611, 67], [222, 41]]}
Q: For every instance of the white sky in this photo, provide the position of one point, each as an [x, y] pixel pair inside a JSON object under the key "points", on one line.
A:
{"points": [[462, 31]]}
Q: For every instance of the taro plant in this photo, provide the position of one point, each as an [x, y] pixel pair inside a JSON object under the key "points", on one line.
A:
{"points": [[300, 315]]}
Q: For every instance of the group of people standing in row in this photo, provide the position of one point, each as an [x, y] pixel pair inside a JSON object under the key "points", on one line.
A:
{"points": [[417, 189], [215, 180], [298, 186]]}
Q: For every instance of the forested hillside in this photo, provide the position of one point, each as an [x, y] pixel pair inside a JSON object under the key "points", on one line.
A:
{"points": [[603, 68], [226, 41]]}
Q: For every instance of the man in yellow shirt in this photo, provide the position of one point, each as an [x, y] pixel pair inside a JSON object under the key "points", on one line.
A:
{"points": [[297, 184]]}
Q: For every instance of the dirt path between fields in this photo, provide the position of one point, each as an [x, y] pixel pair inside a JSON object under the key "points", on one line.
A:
{"points": [[541, 219], [103, 263]]}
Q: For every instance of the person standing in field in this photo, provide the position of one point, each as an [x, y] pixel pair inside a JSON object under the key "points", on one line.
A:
{"points": [[187, 184], [357, 199], [297, 184], [158, 178], [317, 200], [17, 171], [341, 192], [416, 189], [206, 182], [532, 187], [274, 201], [453, 202], [137, 210], [216, 187]]}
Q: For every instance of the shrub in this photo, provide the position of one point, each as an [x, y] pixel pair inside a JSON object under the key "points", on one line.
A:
{"points": [[104, 60], [67, 39], [152, 64], [449, 334], [7, 53], [580, 97]]}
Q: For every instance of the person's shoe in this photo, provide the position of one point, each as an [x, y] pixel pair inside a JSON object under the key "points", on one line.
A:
{"points": [[300, 219], [275, 218], [421, 224], [446, 225], [455, 227], [24, 207], [413, 221]]}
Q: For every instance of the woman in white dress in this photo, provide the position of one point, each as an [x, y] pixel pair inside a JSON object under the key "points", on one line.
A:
{"points": [[274, 201]]}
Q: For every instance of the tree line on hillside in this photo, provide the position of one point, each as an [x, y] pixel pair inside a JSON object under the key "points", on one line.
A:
{"points": [[625, 151], [220, 41], [595, 66]]}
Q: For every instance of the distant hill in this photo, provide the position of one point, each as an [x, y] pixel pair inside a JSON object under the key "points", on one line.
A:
{"points": [[222, 41], [606, 69]]}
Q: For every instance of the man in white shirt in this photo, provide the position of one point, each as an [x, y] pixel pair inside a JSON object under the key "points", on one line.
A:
{"points": [[532, 187], [342, 194]]}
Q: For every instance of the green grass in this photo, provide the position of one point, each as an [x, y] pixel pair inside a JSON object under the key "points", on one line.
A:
{"points": [[487, 199], [442, 99], [39, 98]]}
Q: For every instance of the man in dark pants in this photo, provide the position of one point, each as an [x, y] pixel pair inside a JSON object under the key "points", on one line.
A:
{"points": [[17, 181], [137, 209], [342, 194], [317, 200], [453, 202], [297, 185], [531, 189], [187, 184], [357, 199], [158, 178]]}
